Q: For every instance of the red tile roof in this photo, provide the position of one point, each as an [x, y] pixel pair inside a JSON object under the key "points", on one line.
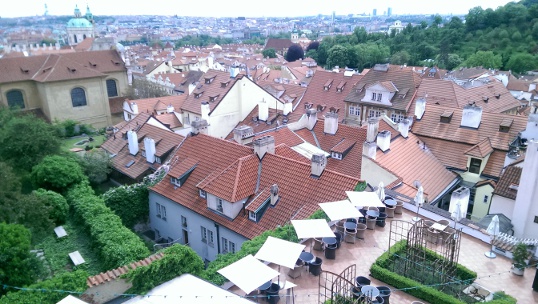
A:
{"points": [[213, 83], [510, 177]]}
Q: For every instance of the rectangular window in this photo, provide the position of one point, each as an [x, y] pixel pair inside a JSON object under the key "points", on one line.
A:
{"points": [[354, 111], [227, 246], [379, 96], [374, 96], [474, 167], [158, 160], [210, 240], [161, 211], [184, 222], [203, 194], [374, 113], [252, 215], [204, 234], [175, 181], [219, 206], [486, 198]]}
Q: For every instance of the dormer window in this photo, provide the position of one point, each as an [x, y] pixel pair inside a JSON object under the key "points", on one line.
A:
{"points": [[360, 87], [202, 193], [474, 166], [377, 96], [158, 160], [505, 125], [328, 85], [213, 97], [224, 84], [336, 155], [175, 181], [340, 86], [209, 80], [252, 215], [198, 95]]}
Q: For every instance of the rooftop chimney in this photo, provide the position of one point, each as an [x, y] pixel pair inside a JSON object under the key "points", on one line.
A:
{"points": [[205, 110], [170, 109], [373, 126], [288, 107], [149, 147], [331, 123], [312, 115], [369, 149], [383, 140], [274, 194], [471, 116], [403, 127], [420, 107], [263, 110], [243, 134], [199, 126], [319, 161], [265, 144], [134, 107], [132, 140]]}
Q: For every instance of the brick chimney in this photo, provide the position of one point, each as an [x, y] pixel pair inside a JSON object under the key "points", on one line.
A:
{"points": [[199, 127], [331, 123], [243, 134], [319, 161], [265, 144]]}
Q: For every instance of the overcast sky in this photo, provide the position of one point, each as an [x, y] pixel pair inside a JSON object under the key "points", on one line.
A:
{"points": [[250, 8]]}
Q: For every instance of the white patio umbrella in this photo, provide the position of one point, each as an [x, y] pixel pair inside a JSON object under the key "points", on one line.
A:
{"points": [[306, 229], [419, 200], [340, 210], [280, 252], [493, 230], [248, 273], [456, 214], [381, 191], [364, 198]]}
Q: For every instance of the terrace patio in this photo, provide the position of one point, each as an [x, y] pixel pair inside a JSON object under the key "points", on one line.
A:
{"points": [[492, 274]]}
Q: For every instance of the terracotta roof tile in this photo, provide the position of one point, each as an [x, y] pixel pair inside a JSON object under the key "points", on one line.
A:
{"points": [[259, 200], [209, 88], [493, 97], [507, 182], [480, 150]]}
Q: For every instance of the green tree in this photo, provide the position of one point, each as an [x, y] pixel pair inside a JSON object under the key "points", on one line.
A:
{"points": [[314, 45], [15, 258], [522, 62], [57, 203], [453, 61], [485, 59], [338, 56], [129, 202], [57, 173], [399, 58], [269, 53], [26, 140], [295, 52], [96, 166]]}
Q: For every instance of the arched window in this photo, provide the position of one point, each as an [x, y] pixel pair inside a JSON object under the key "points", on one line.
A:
{"points": [[15, 99], [78, 97], [111, 88], [75, 38]]}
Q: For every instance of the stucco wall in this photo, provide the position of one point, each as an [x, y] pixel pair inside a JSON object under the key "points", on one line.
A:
{"points": [[172, 227], [32, 100], [500, 204], [373, 173], [480, 208]]}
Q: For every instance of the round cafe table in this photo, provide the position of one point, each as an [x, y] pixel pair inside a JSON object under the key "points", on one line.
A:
{"points": [[350, 225], [390, 202], [329, 240], [306, 257], [265, 287], [370, 291], [372, 213]]}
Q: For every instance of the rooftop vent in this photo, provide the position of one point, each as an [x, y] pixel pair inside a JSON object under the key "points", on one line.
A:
{"points": [[471, 116], [446, 116]]}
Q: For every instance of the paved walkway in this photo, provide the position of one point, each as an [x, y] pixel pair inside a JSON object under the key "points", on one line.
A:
{"points": [[493, 274]]}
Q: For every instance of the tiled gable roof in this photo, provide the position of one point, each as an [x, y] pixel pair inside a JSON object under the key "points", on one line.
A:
{"points": [[150, 105], [259, 200], [317, 95], [277, 44], [55, 67], [182, 167], [437, 91], [299, 193], [518, 85], [204, 90], [402, 79], [510, 177], [493, 97], [480, 150], [115, 143]]}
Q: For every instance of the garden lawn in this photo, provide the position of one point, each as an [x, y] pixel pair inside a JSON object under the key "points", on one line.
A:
{"points": [[57, 251], [70, 143]]}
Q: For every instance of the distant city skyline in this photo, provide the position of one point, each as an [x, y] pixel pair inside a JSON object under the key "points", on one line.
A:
{"points": [[244, 8]]}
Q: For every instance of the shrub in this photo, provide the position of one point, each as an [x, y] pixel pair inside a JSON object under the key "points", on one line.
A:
{"points": [[46, 292], [117, 245], [57, 203], [177, 260], [130, 203], [57, 173]]}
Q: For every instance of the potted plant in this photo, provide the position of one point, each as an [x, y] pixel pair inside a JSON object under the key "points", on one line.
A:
{"points": [[520, 254]]}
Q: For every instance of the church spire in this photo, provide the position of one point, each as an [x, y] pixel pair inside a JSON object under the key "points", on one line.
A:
{"points": [[89, 15], [77, 12]]}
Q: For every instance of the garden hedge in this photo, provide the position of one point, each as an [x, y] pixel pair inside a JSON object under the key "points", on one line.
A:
{"points": [[115, 243]]}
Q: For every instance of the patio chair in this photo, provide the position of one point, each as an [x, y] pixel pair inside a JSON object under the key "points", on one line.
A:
{"points": [[315, 267], [447, 233], [340, 226], [381, 219], [385, 292], [428, 223], [339, 236], [432, 236], [362, 281], [318, 244], [272, 294], [296, 271], [360, 230], [374, 209], [330, 252], [370, 222], [350, 236], [399, 207], [390, 211]]}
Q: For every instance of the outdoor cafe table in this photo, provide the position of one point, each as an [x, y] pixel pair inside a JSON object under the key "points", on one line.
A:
{"points": [[306, 257], [390, 202], [350, 225], [370, 291], [439, 227], [329, 240], [372, 213], [265, 286]]}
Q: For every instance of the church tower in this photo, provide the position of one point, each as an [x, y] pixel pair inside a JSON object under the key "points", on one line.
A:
{"points": [[80, 27]]}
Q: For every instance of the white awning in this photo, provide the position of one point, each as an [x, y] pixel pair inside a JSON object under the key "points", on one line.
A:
{"points": [[306, 229], [340, 210], [280, 252], [248, 273], [362, 199]]}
